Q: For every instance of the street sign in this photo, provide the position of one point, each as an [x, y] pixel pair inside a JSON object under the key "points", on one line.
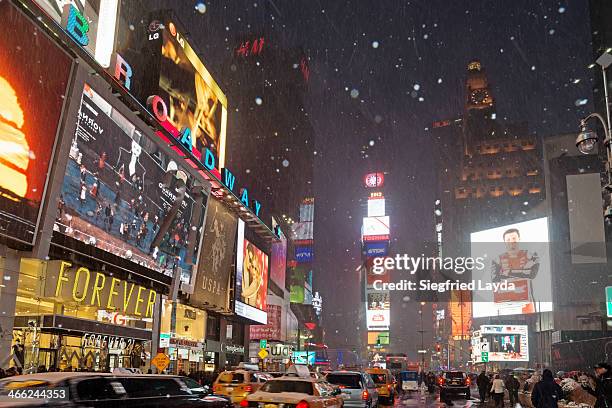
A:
{"points": [[609, 300], [422, 351], [484, 356], [262, 354], [160, 361], [263, 343]]}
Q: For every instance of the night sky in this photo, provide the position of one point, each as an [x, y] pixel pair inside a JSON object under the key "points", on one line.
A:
{"points": [[381, 73]]}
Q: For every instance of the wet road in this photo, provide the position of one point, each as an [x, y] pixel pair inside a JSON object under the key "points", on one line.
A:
{"points": [[417, 399]]}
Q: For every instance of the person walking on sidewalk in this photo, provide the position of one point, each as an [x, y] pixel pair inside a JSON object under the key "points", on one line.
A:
{"points": [[603, 389], [512, 385], [546, 393], [483, 385], [497, 391]]}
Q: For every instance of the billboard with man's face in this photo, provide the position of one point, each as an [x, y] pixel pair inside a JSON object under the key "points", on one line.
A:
{"points": [[517, 254]]}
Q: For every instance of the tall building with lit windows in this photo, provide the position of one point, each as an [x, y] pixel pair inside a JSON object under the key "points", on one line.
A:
{"points": [[489, 174]]}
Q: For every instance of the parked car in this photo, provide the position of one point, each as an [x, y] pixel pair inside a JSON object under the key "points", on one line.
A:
{"points": [[385, 383], [357, 388], [102, 390], [297, 389], [237, 384], [453, 383]]}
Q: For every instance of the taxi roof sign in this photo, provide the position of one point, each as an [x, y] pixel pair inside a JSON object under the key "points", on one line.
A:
{"points": [[299, 370]]}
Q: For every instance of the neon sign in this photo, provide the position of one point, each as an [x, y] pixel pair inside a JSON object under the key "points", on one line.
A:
{"points": [[246, 48]]}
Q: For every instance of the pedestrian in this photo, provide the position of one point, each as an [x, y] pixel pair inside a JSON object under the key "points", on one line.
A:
{"points": [[546, 393], [603, 388], [497, 391], [483, 385], [512, 385]]}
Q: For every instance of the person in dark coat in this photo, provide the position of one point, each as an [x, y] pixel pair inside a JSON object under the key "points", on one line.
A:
{"points": [[512, 385], [483, 384], [603, 388], [546, 393]]}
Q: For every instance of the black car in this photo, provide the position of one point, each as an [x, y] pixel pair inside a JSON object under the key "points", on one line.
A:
{"points": [[101, 390], [454, 383]]}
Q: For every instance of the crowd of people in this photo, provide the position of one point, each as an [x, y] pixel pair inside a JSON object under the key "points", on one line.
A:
{"points": [[546, 390]]}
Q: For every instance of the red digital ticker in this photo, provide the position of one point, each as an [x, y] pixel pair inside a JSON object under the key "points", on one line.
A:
{"points": [[305, 68], [248, 48]]}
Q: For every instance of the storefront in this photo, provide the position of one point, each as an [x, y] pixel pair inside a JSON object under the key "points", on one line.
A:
{"points": [[182, 336], [72, 317]]}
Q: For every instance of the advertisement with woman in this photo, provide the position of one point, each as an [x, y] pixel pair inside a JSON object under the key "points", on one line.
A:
{"points": [[251, 279]]}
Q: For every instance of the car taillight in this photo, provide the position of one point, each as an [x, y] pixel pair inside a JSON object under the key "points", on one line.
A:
{"points": [[342, 386], [389, 386], [302, 404], [441, 381], [244, 403], [365, 395], [248, 388], [468, 381]]}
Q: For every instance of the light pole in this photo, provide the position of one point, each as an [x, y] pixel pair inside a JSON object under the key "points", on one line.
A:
{"points": [[422, 339], [587, 139]]}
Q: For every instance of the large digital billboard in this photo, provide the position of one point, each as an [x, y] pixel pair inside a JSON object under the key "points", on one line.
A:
{"points": [[518, 254], [378, 314], [376, 206], [123, 195], [373, 226], [217, 257], [500, 343], [271, 330], [460, 307], [278, 261], [251, 279], [163, 63], [31, 100]]}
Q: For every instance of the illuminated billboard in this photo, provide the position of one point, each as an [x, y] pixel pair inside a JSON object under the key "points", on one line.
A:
{"points": [[377, 337], [303, 357], [375, 226], [376, 248], [278, 261], [376, 207], [373, 180], [30, 110], [123, 195], [378, 310], [378, 319], [303, 254], [212, 283], [460, 307], [500, 343], [98, 16], [519, 254], [301, 231], [163, 63], [251, 279]]}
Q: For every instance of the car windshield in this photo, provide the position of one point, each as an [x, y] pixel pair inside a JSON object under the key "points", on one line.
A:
{"points": [[231, 378], [454, 375], [409, 376], [345, 380], [278, 386], [379, 378]]}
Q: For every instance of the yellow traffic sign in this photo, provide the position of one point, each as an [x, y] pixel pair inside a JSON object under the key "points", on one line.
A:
{"points": [[161, 361], [262, 354]]}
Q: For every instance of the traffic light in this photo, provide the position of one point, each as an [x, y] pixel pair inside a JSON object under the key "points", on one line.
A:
{"points": [[438, 348]]}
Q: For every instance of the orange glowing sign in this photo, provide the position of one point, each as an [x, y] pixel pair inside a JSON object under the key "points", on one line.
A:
{"points": [[461, 314]]}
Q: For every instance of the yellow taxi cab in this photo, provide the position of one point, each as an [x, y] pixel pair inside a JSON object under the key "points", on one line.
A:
{"points": [[296, 389], [237, 384], [385, 383]]}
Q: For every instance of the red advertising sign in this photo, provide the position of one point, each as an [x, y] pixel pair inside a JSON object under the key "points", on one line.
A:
{"points": [[270, 331], [372, 180]]}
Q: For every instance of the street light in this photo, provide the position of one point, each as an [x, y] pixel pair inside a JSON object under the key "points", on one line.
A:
{"points": [[587, 139]]}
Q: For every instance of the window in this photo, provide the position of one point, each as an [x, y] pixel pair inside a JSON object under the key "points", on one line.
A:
{"points": [[379, 378], [229, 378], [277, 386], [345, 380], [96, 389], [151, 387]]}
